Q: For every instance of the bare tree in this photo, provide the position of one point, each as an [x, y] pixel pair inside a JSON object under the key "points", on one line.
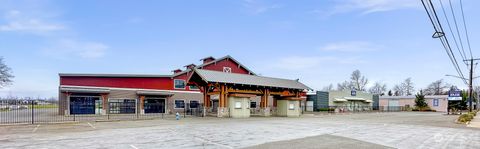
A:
{"points": [[438, 87], [404, 88], [398, 90], [408, 86], [358, 81], [328, 88], [378, 88], [5, 74], [345, 86]]}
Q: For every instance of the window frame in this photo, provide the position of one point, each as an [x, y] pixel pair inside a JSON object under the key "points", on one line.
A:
{"points": [[436, 102], [251, 104], [184, 84], [175, 103]]}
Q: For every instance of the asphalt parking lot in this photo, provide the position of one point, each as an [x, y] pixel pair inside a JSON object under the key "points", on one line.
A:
{"points": [[361, 130]]}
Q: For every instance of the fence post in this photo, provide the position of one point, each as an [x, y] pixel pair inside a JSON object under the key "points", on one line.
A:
{"points": [[184, 109], [33, 115]]}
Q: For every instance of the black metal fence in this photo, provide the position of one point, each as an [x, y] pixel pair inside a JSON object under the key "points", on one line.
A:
{"points": [[32, 113]]}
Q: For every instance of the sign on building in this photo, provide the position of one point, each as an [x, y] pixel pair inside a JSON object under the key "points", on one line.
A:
{"points": [[353, 92], [455, 95]]}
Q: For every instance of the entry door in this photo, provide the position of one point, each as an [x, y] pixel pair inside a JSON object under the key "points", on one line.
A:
{"points": [[154, 105], [214, 105], [82, 105]]}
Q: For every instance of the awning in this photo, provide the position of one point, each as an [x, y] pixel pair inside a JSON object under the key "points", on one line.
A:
{"points": [[368, 100], [339, 100], [155, 93], [354, 98], [83, 90]]}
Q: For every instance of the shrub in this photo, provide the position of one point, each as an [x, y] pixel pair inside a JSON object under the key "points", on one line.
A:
{"points": [[465, 117]]}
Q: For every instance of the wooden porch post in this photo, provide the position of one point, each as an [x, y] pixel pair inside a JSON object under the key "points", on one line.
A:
{"points": [[142, 103]]}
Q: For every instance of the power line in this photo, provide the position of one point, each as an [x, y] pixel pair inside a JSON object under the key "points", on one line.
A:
{"points": [[453, 35], [466, 31], [439, 33], [448, 47], [456, 26]]}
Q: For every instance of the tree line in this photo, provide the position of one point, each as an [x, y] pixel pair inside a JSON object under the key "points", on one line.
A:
{"points": [[406, 87]]}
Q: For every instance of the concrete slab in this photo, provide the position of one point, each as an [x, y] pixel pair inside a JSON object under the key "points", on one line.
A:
{"points": [[397, 130]]}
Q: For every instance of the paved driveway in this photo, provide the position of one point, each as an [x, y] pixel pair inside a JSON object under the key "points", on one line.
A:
{"points": [[369, 130]]}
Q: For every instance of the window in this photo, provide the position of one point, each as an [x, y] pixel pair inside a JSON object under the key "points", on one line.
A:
{"points": [[179, 84], [227, 69], [179, 104], [435, 102], [193, 87], [253, 104], [194, 104], [121, 106]]}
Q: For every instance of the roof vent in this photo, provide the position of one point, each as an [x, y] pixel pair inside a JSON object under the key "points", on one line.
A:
{"points": [[176, 71], [207, 59]]}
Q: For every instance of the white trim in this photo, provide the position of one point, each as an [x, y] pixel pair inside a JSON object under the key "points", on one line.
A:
{"points": [[175, 104], [184, 84], [132, 89]]}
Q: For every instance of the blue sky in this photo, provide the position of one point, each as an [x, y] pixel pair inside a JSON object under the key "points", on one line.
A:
{"points": [[319, 42]]}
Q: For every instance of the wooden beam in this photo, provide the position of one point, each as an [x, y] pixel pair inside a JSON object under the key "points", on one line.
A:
{"points": [[245, 91]]}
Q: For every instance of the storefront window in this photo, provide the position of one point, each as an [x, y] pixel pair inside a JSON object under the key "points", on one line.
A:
{"points": [[122, 106], [180, 104]]}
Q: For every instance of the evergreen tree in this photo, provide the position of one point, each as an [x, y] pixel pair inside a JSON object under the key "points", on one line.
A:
{"points": [[420, 100], [390, 93]]}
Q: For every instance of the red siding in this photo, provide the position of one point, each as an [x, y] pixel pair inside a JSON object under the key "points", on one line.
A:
{"points": [[226, 63], [163, 83], [145, 83]]}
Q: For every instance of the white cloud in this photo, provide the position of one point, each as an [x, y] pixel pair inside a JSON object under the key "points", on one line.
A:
{"points": [[259, 6], [68, 48], [371, 6], [351, 46], [17, 21]]}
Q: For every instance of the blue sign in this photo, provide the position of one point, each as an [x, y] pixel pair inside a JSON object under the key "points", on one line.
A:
{"points": [[353, 93], [456, 93]]}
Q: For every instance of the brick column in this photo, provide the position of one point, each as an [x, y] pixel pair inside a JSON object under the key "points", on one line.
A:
{"points": [[104, 104], [142, 104]]}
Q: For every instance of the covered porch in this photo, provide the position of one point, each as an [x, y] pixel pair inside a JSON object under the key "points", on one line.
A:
{"points": [[233, 94]]}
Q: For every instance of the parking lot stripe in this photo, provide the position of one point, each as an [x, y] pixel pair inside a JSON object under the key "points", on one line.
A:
{"points": [[91, 126], [35, 129], [134, 147]]}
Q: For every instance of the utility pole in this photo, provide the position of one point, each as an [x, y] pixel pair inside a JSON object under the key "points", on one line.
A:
{"points": [[470, 85]]}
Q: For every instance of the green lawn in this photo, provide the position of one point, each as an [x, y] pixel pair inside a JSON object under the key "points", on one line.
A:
{"points": [[49, 106]]}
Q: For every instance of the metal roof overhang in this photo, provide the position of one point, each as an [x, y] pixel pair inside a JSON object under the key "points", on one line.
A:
{"points": [[339, 100], [83, 90], [154, 93], [354, 98]]}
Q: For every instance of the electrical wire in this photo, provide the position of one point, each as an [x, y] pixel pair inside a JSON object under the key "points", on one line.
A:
{"points": [[432, 14], [453, 35], [466, 31], [456, 26]]}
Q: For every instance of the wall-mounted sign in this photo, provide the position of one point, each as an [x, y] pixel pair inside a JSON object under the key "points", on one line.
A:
{"points": [[353, 92], [238, 105], [291, 106], [456, 93], [455, 98]]}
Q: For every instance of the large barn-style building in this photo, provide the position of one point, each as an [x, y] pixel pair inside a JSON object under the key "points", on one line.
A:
{"points": [[220, 86]]}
